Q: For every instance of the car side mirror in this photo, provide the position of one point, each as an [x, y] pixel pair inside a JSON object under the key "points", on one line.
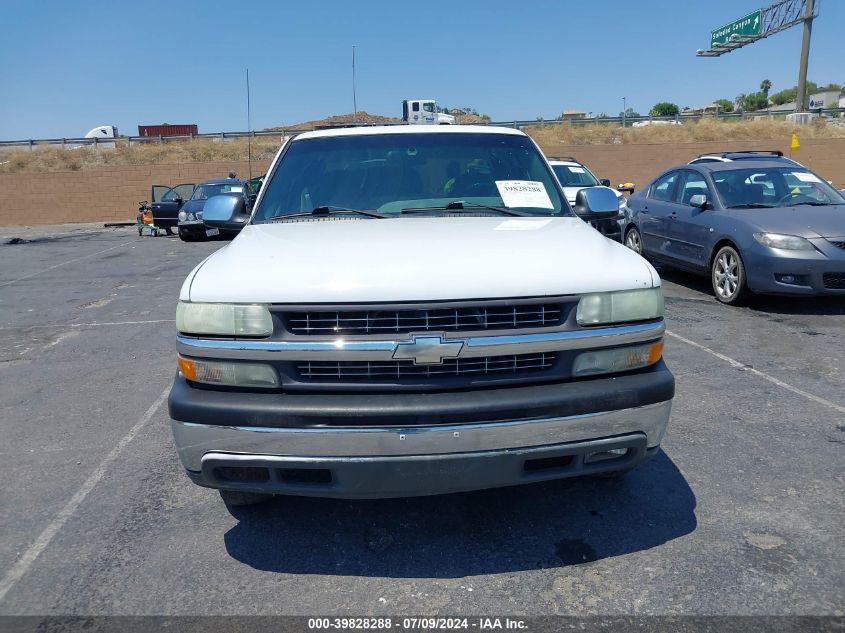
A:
{"points": [[699, 201], [596, 204], [178, 200], [605, 182], [627, 187], [226, 211]]}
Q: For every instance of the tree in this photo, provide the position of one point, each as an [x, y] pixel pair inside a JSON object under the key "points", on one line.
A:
{"points": [[602, 115], [765, 86], [752, 102], [725, 105], [664, 108], [630, 113], [791, 94]]}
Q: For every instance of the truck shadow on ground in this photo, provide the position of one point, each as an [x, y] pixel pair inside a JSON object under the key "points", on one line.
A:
{"points": [[797, 305], [548, 525]]}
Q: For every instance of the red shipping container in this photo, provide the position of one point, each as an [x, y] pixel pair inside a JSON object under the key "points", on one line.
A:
{"points": [[167, 130]]}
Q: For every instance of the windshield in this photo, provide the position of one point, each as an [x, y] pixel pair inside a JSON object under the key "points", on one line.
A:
{"points": [[387, 173], [204, 192], [773, 187], [574, 176]]}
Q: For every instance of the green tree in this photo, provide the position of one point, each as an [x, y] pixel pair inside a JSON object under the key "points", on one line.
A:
{"points": [[664, 108], [791, 94], [725, 105], [755, 101], [630, 113], [765, 86]]}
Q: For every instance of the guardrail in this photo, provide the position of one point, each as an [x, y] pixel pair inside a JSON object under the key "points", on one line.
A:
{"points": [[68, 143]]}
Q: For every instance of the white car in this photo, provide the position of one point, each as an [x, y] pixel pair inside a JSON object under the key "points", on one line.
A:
{"points": [[752, 154], [415, 310], [574, 176]]}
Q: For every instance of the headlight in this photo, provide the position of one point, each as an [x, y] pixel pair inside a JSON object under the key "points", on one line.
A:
{"points": [[228, 374], [199, 215], [620, 307], [191, 217], [182, 216], [223, 319], [786, 242], [611, 361]]}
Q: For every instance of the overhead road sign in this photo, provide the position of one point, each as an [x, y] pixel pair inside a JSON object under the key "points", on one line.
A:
{"points": [[745, 27]]}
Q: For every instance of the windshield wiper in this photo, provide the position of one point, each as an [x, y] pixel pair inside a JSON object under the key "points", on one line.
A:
{"points": [[814, 203], [460, 205], [326, 210], [750, 205]]}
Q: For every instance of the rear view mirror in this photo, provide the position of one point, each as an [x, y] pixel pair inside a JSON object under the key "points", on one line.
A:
{"points": [[699, 201], [605, 182], [596, 204], [225, 211]]}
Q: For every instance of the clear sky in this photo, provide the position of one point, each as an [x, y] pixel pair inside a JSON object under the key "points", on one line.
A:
{"points": [[66, 67]]}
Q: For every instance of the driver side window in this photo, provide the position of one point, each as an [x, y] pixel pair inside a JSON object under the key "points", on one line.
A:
{"points": [[692, 184], [663, 188]]}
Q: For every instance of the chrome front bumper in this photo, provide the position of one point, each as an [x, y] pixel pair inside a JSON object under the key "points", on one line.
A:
{"points": [[364, 462]]}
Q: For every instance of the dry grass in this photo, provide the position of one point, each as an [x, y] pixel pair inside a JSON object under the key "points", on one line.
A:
{"points": [[51, 158], [688, 132]]}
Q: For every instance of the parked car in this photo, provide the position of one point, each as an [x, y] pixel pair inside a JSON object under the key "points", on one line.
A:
{"points": [[415, 310], [191, 226], [751, 154], [166, 202], [752, 226], [574, 176]]}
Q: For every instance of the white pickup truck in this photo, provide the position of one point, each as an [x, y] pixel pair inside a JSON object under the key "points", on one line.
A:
{"points": [[415, 310]]}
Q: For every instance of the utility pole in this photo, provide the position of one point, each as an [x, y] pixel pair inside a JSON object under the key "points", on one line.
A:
{"points": [[248, 128], [354, 98], [801, 102], [624, 112]]}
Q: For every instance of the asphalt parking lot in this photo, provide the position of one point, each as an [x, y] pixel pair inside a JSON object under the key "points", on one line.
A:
{"points": [[742, 512]]}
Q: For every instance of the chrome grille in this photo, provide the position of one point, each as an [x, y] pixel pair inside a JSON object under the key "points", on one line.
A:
{"points": [[463, 318], [353, 371]]}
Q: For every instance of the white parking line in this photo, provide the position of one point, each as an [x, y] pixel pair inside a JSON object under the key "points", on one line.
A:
{"points": [[22, 566], [68, 325], [757, 372], [70, 261]]}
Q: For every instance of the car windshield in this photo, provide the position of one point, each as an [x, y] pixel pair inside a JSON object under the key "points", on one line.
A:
{"points": [[773, 187], [204, 192], [574, 176], [387, 173]]}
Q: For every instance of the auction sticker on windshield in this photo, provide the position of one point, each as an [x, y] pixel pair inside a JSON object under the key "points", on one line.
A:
{"points": [[524, 193]]}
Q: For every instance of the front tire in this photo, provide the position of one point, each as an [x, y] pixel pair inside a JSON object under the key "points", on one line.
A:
{"points": [[727, 276], [239, 498], [634, 241]]}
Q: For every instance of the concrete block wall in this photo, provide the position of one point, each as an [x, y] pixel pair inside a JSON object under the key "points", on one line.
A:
{"points": [[112, 193]]}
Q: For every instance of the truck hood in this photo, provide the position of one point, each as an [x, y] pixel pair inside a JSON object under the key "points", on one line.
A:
{"points": [[804, 221], [415, 259]]}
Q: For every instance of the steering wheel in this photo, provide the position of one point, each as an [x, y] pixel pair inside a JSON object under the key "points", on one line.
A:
{"points": [[794, 194]]}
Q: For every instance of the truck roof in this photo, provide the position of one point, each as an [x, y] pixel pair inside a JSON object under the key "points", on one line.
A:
{"points": [[411, 129]]}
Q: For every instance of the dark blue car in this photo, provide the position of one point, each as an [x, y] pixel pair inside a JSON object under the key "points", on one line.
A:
{"points": [[751, 226]]}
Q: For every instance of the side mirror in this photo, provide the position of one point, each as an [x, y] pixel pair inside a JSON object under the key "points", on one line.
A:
{"points": [[626, 187], [605, 182], [226, 211], [699, 201], [596, 204], [178, 200]]}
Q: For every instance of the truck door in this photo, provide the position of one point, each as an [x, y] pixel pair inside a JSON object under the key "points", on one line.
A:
{"points": [[429, 114]]}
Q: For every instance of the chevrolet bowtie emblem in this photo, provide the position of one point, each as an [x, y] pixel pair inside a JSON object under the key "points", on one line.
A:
{"points": [[427, 350]]}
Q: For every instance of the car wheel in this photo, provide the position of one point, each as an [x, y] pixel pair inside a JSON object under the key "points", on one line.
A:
{"points": [[727, 275], [185, 236], [238, 498], [634, 241]]}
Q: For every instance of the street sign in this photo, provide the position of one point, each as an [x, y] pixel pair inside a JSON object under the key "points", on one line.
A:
{"points": [[749, 26]]}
